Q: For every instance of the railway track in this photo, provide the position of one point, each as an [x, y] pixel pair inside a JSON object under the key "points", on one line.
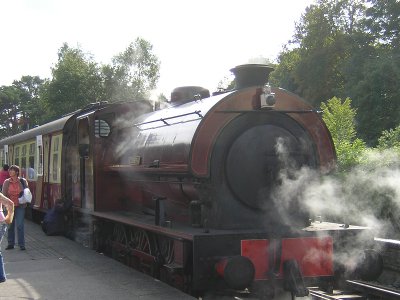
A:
{"points": [[359, 290], [387, 287]]}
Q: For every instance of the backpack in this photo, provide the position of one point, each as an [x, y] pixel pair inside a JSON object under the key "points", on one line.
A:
{"points": [[53, 222], [25, 196]]}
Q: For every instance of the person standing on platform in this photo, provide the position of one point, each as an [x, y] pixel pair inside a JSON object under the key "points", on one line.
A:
{"points": [[3, 175], [4, 221], [12, 189]]}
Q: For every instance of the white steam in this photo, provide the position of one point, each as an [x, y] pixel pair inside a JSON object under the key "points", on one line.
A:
{"points": [[369, 195], [127, 135]]}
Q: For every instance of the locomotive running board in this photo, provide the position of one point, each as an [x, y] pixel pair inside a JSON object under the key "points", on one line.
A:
{"points": [[139, 221]]}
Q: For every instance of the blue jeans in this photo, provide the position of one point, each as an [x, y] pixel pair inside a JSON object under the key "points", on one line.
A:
{"points": [[19, 216], [3, 229]]}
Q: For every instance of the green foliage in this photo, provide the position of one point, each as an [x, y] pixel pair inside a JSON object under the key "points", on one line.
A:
{"points": [[10, 110], [339, 118], [76, 82], [31, 109], [20, 108], [390, 139], [377, 94], [383, 21], [134, 73], [283, 73], [349, 153], [348, 48], [368, 176], [324, 41]]}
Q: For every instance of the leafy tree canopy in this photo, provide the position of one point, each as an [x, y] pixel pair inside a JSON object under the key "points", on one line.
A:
{"points": [[31, 110], [10, 110], [390, 139], [377, 95], [339, 117], [347, 49], [76, 82], [383, 21], [133, 74]]}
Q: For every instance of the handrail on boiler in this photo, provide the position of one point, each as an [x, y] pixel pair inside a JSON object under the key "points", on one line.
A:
{"points": [[164, 120]]}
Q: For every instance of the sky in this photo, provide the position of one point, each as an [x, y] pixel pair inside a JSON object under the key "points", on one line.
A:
{"points": [[197, 42]]}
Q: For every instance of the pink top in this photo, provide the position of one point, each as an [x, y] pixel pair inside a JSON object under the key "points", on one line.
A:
{"points": [[3, 176], [14, 189]]}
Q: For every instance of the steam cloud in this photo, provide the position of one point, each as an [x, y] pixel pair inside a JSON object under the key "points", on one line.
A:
{"points": [[369, 195], [128, 131]]}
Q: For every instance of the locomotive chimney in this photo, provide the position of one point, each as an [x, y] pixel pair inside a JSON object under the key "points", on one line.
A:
{"points": [[251, 75]]}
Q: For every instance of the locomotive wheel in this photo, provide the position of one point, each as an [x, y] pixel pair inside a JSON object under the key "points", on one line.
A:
{"points": [[120, 234], [120, 243], [140, 240], [166, 249]]}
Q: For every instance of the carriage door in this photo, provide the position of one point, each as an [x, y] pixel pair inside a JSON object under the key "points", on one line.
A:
{"points": [[39, 163], [85, 163]]}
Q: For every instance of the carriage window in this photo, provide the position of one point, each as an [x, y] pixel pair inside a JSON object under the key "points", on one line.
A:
{"points": [[55, 163], [55, 166], [55, 158], [23, 161], [101, 128], [31, 162], [40, 160], [32, 149], [16, 156], [23, 166], [56, 143], [39, 155]]}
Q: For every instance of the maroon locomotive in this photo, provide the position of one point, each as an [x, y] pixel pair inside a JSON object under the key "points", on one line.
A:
{"points": [[188, 193]]}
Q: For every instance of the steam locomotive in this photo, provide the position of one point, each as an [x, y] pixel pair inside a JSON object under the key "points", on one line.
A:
{"points": [[190, 193]]}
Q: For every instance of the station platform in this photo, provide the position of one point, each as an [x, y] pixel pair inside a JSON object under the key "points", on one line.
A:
{"points": [[54, 267]]}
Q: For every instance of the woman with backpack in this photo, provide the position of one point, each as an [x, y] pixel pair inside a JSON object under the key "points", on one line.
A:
{"points": [[12, 188]]}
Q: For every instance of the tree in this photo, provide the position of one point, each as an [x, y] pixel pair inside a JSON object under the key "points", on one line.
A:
{"points": [[76, 82], [311, 65], [20, 107], [383, 21], [31, 110], [133, 74], [283, 74], [10, 110], [348, 49], [339, 118], [377, 94], [390, 139]]}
